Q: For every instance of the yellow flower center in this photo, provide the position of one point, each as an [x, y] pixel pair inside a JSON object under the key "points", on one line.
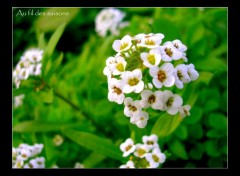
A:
{"points": [[117, 90], [151, 59], [161, 76], [123, 46], [132, 108], [150, 42], [169, 102], [179, 74], [120, 67], [141, 152], [155, 158], [169, 52], [133, 81], [151, 99], [128, 147], [150, 142]]}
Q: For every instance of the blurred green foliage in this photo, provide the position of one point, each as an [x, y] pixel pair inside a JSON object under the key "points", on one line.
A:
{"points": [[92, 127]]}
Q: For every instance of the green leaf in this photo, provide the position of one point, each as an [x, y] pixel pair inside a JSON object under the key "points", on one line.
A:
{"points": [[181, 132], [41, 126], [47, 95], [195, 115], [41, 41], [211, 105], [50, 22], [218, 121], [195, 131], [54, 40], [197, 152], [211, 64], [92, 142], [50, 48], [178, 149], [214, 133], [93, 159], [22, 90], [166, 124], [54, 67], [212, 148]]}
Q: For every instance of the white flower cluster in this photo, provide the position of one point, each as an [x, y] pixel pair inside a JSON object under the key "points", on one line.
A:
{"points": [[109, 19], [29, 64], [24, 156], [143, 66], [146, 155]]}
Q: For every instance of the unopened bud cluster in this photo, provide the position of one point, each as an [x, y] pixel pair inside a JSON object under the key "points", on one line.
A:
{"points": [[142, 71]]}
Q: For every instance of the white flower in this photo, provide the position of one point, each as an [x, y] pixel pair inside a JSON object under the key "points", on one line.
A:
{"points": [[38, 162], [171, 102], [109, 20], [153, 99], [129, 164], [24, 74], [35, 69], [151, 141], [193, 74], [115, 93], [131, 107], [18, 163], [184, 110], [107, 72], [140, 119], [181, 75], [122, 45], [179, 45], [33, 55], [18, 100], [25, 154], [78, 165], [155, 158], [152, 58], [117, 65], [169, 52], [132, 81], [37, 148], [127, 147], [141, 150], [163, 75], [150, 40]]}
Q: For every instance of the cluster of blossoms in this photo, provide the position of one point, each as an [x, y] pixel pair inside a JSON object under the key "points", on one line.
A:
{"points": [[109, 19], [142, 68], [29, 64], [146, 155], [24, 156]]}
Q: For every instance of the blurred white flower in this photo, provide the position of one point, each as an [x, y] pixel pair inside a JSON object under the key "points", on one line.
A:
{"points": [[127, 147], [129, 164], [109, 19], [18, 100], [184, 110]]}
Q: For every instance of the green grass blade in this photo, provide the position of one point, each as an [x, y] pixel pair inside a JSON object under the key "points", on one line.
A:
{"points": [[95, 143]]}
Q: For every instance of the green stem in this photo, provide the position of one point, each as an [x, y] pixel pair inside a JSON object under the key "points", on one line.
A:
{"points": [[74, 106]]}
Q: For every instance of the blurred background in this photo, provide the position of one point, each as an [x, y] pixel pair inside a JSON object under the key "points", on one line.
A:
{"points": [[198, 141]]}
